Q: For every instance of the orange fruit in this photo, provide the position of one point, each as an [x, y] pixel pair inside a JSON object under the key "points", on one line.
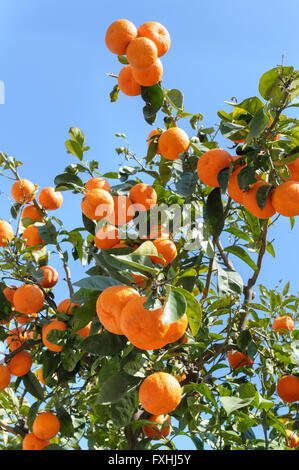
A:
{"points": [[158, 231], [98, 183], [210, 164], [53, 325], [46, 425], [285, 198], [145, 329], [141, 53], [292, 440], [250, 202], [149, 76], [97, 204], [294, 170], [22, 191], [153, 432], [181, 378], [166, 248], [15, 338], [6, 233], [32, 237], [143, 196], [287, 388], [233, 188], [31, 212], [40, 375], [23, 319], [283, 324], [123, 211], [160, 393], [118, 36], [84, 332], [31, 442], [110, 304], [237, 359], [9, 293], [4, 376], [107, 237], [127, 83], [157, 33], [173, 142], [20, 364], [50, 277], [50, 199], [28, 299], [66, 306]]}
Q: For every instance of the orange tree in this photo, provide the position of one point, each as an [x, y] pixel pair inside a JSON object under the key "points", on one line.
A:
{"points": [[162, 336]]}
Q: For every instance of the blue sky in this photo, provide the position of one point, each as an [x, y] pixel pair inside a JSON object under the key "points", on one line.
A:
{"points": [[54, 65]]}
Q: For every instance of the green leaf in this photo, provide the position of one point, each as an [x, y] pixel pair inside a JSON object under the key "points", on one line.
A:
{"points": [[231, 404], [242, 254], [151, 151], [193, 310], [214, 214], [140, 262], [116, 387], [228, 129], [244, 339], [246, 177], [114, 94], [99, 283], [122, 411], [222, 179], [66, 424], [33, 386], [74, 148], [47, 232], [32, 414], [186, 183], [77, 135], [229, 282], [103, 344], [177, 98], [67, 181], [270, 83], [259, 122], [146, 248], [123, 60], [175, 306], [262, 195]]}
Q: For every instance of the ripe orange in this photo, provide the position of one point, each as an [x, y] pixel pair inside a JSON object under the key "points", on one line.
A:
{"points": [[53, 325], [123, 211], [294, 170], [157, 33], [145, 328], [84, 332], [285, 198], [210, 164], [50, 277], [110, 304], [97, 204], [250, 202], [143, 196], [127, 83], [98, 183], [15, 338], [9, 293], [20, 364], [153, 432], [107, 237], [31, 212], [22, 191], [237, 359], [172, 142], [28, 299], [160, 393], [287, 388], [149, 76], [23, 319], [118, 36], [166, 248], [46, 425], [66, 306], [40, 375], [283, 324], [31, 442], [6, 233], [181, 378], [4, 376], [292, 439], [141, 53], [50, 199], [233, 188], [32, 237]]}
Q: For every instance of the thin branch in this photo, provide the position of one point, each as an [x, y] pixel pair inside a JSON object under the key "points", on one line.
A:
{"points": [[223, 255]]}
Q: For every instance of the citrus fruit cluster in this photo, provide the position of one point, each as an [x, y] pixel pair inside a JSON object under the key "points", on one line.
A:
{"points": [[143, 48], [282, 199], [45, 426]]}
